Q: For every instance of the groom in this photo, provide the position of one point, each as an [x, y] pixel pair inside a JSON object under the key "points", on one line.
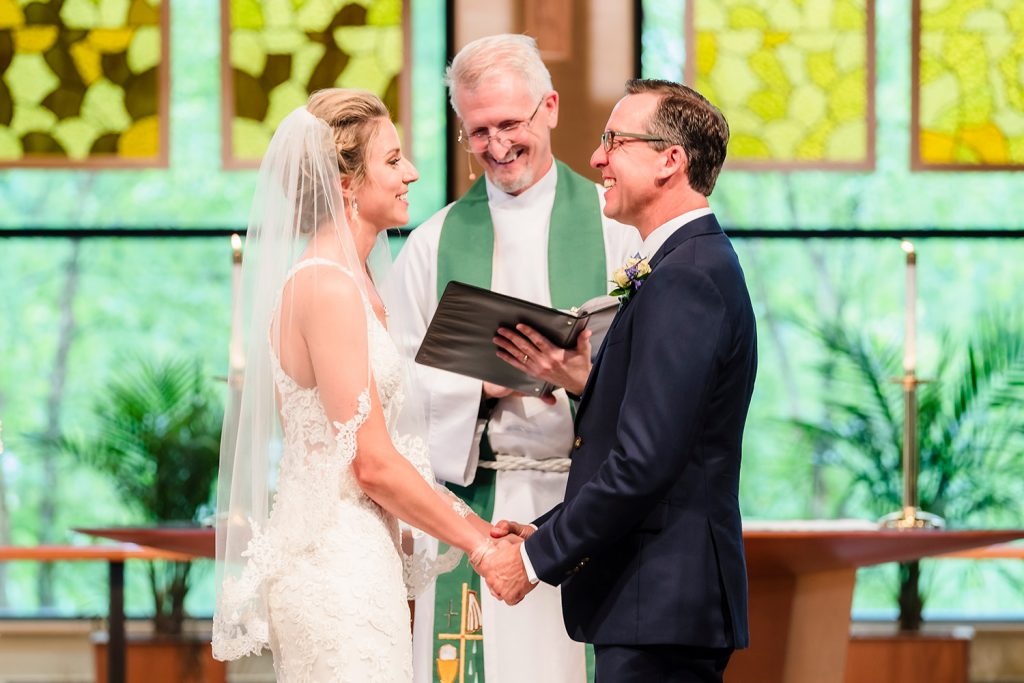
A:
{"points": [[647, 546]]}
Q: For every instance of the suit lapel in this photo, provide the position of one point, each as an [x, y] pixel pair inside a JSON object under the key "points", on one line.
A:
{"points": [[585, 396], [705, 225]]}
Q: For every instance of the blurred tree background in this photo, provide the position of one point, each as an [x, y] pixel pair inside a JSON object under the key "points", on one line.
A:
{"points": [[72, 310]]}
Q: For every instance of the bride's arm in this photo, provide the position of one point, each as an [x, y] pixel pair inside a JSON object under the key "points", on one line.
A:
{"points": [[334, 329], [475, 520]]}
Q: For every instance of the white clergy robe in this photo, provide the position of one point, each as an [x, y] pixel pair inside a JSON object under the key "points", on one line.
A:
{"points": [[526, 642]]}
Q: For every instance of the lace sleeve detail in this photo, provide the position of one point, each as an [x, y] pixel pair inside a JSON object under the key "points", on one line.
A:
{"points": [[415, 451], [346, 437], [421, 562], [457, 503], [421, 566]]}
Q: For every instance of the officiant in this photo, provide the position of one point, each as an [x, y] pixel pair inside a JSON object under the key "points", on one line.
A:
{"points": [[530, 228]]}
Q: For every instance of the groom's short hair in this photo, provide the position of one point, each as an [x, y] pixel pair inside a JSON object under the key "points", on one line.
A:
{"points": [[686, 118]]}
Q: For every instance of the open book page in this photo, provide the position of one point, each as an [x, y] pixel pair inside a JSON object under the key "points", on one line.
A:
{"points": [[602, 310], [460, 336]]}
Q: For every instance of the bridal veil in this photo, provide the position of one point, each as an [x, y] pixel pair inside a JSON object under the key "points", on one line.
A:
{"points": [[298, 192]]}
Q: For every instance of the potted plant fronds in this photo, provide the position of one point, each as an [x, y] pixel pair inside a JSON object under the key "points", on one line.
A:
{"points": [[156, 432], [970, 429]]}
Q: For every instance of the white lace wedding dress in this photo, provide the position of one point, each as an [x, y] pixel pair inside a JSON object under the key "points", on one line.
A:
{"points": [[330, 560]]}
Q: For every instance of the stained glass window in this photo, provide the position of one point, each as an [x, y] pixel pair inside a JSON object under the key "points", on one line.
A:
{"points": [[56, 354], [968, 84], [280, 51], [83, 83], [795, 78]]}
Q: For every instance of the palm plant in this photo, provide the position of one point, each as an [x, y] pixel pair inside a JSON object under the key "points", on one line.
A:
{"points": [[970, 428], [157, 434]]}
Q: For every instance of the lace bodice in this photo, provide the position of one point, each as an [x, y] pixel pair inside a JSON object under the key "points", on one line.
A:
{"points": [[316, 454], [325, 529]]}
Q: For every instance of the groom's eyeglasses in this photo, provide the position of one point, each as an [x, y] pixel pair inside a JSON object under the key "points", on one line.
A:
{"points": [[610, 138]]}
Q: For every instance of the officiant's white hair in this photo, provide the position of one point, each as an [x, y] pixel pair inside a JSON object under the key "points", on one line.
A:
{"points": [[506, 54]]}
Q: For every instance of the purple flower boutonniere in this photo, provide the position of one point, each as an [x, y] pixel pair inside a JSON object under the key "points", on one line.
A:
{"points": [[629, 277]]}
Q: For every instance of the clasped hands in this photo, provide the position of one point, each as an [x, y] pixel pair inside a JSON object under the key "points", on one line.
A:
{"points": [[500, 564]]}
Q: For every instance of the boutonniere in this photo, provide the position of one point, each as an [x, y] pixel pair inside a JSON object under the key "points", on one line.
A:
{"points": [[629, 277]]}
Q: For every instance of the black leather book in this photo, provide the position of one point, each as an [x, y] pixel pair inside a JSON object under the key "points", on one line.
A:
{"points": [[459, 337]]}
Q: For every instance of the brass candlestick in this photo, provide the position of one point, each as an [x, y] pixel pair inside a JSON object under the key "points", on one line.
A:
{"points": [[911, 516]]}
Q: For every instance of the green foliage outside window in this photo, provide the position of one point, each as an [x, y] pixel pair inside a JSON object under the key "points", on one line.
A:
{"points": [[155, 433], [72, 312]]}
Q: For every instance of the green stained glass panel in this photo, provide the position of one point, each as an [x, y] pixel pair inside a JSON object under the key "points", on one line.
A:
{"points": [[793, 77], [280, 51], [83, 83]]}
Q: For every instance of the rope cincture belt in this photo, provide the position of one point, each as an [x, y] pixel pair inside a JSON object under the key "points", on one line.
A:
{"points": [[508, 463]]}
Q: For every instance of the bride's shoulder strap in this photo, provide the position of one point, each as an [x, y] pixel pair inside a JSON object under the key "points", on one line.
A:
{"points": [[314, 262], [317, 261]]}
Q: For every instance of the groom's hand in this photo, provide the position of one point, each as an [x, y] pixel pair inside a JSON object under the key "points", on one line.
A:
{"points": [[505, 574], [506, 528]]}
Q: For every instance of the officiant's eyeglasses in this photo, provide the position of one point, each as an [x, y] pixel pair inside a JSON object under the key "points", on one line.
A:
{"points": [[609, 138], [505, 134]]}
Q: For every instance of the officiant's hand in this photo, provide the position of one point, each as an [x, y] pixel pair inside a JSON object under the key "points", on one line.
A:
{"points": [[526, 349], [505, 574]]}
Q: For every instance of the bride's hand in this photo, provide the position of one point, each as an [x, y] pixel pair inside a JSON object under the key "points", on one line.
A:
{"points": [[477, 556]]}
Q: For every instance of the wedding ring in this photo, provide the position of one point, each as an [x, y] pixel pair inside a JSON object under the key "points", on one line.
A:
{"points": [[526, 358]]}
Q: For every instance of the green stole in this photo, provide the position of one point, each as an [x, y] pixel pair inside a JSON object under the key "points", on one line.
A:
{"points": [[576, 272]]}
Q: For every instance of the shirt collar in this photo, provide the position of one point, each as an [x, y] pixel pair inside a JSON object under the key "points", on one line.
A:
{"points": [[536, 192], [661, 234]]}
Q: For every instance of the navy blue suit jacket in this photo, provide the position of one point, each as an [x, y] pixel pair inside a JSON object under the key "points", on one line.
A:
{"points": [[648, 546]]}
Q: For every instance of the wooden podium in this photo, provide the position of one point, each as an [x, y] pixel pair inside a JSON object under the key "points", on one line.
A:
{"points": [[801, 592]]}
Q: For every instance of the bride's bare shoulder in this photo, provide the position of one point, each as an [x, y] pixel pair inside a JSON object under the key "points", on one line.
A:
{"points": [[318, 282]]}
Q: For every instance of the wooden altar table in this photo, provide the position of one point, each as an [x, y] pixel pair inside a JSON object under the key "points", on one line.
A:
{"points": [[801, 587], [801, 592], [115, 556]]}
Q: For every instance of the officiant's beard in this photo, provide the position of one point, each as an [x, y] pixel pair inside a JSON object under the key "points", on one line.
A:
{"points": [[515, 179]]}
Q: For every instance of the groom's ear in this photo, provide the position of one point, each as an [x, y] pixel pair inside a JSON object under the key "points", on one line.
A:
{"points": [[672, 161]]}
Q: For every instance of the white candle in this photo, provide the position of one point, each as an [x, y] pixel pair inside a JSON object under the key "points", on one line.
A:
{"points": [[236, 351], [910, 331]]}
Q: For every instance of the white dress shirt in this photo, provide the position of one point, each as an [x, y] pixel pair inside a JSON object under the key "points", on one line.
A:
{"points": [[661, 234]]}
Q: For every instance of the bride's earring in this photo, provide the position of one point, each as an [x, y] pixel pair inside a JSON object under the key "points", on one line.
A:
{"points": [[355, 208], [469, 162]]}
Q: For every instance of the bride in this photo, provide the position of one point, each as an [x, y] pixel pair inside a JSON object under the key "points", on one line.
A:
{"points": [[321, 462]]}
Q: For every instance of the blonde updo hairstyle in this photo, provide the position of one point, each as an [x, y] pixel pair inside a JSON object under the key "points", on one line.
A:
{"points": [[355, 117]]}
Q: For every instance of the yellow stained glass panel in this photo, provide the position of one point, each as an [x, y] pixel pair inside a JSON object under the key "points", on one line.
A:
{"points": [[72, 92], [280, 51], [970, 85], [792, 77]]}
